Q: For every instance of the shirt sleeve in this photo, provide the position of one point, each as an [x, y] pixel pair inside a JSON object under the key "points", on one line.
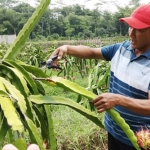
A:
{"points": [[109, 51]]}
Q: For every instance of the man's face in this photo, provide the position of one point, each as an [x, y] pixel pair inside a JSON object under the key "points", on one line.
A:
{"points": [[140, 38]]}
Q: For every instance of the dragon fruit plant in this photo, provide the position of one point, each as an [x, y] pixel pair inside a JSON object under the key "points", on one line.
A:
{"points": [[143, 138]]}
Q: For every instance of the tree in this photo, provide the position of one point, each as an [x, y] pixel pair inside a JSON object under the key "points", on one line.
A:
{"points": [[9, 20], [121, 27], [134, 3], [78, 10], [24, 9], [3, 29], [101, 32], [65, 11], [96, 19]]}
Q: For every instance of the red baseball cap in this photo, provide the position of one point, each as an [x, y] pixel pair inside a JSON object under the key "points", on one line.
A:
{"points": [[140, 18]]}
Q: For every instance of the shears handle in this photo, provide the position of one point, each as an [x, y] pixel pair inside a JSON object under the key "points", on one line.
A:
{"points": [[48, 63], [50, 60]]}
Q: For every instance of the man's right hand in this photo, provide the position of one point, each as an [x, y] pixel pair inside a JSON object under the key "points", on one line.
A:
{"points": [[61, 52]]}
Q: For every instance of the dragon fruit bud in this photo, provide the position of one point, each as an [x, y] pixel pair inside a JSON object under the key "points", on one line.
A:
{"points": [[143, 138], [45, 144]]}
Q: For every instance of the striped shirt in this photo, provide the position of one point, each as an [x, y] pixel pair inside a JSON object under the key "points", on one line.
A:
{"points": [[130, 76]]}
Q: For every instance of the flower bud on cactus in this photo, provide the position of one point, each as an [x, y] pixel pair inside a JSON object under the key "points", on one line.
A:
{"points": [[143, 138], [45, 143]]}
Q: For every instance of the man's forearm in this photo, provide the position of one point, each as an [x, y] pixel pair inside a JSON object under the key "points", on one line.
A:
{"points": [[84, 52], [138, 106]]}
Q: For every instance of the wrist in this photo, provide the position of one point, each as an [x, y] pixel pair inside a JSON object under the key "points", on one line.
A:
{"points": [[119, 100]]}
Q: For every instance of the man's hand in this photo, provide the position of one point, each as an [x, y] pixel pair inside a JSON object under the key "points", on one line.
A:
{"points": [[105, 101], [60, 52]]}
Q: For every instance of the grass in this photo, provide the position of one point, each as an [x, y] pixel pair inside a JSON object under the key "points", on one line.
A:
{"points": [[74, 131]]}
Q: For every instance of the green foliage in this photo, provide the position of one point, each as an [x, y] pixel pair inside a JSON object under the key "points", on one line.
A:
{"points": [[68, 22], [39, 99], [20, 144], [98, 80], [3, 49]]}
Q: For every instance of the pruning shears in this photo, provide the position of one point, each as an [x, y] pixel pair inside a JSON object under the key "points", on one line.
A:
{"points": [[48, 63]]}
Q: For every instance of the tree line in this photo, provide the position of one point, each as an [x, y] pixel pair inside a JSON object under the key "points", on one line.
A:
{"points": [[69, 22]]}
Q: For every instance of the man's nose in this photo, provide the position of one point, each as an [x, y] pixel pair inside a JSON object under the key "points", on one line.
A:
{"points": [[131, 31]]}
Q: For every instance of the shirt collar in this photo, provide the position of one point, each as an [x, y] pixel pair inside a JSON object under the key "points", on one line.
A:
{"points": [[145, 54]]}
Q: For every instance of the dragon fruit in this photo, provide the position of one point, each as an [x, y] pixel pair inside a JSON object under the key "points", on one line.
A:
{"points": [[143, 138]]}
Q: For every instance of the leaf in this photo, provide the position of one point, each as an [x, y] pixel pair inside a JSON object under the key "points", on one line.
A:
{"points": [[4, 127], [3, 93], [20, 83], [26, 75], [14, 93], [10, 114], [40, 87], [52, 139], [2, 87], [102, 79], [16, 77], [34, 70], [39, 99], [42, 121], [35, 132], [20, 144], [10, 136], [73, 87]]}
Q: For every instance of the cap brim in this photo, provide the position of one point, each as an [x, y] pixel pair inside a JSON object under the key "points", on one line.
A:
{"points": [[135, 23]]}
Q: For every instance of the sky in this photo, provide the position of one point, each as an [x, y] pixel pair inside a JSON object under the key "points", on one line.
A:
{"points": [[91, 4]]}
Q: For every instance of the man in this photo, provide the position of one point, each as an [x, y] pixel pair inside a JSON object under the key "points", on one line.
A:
{"points": [[129, 91]]}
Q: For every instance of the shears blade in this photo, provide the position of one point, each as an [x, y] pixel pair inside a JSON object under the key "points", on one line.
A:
{"points": [[48, 63]]}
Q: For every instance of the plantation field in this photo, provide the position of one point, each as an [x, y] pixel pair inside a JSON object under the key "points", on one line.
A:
{"points": [[54, 105], [96, 42], [73, 131]]}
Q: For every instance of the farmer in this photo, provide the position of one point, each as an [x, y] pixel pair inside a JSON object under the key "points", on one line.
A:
{"points": [[12, 147], [129, 92]]}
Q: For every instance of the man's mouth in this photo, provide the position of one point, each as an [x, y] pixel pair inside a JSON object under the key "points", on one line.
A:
{"points": [[133, 41]]}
